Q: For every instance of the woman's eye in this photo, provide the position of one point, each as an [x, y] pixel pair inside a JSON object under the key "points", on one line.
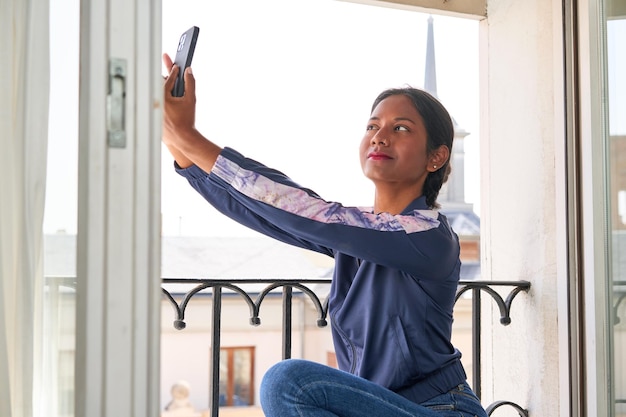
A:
{"points": [[402, 128], [370, 127]]}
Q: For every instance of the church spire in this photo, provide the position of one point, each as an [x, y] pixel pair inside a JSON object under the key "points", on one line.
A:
{"points": [[430, 73], [452, 192]]}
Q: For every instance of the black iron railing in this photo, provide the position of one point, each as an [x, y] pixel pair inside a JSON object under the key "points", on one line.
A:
{"points": [[476, 288]]}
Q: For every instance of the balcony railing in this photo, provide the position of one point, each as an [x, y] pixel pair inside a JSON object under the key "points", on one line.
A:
{"points": [[216, 286]]}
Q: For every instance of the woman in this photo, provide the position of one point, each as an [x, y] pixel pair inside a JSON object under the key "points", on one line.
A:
{"points": [[396, 265]]}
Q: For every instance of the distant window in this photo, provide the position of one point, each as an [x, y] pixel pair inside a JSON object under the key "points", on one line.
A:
{"points": [[236, 376]]}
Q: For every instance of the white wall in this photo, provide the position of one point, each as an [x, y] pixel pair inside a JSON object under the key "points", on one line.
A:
{"points": [[521, 67]]}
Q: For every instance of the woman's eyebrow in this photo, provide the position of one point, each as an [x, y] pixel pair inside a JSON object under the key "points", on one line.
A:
{"points": [[397, 119]]}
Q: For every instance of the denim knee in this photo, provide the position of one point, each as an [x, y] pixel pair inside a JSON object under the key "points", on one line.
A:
{"points": [[277, 375], [279, 384]]}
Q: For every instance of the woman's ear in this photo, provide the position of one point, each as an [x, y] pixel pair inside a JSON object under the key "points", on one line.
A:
{"points": [[438, 158]]}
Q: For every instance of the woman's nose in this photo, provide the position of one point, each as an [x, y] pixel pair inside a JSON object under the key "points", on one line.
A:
{"points": [[379, 139]]}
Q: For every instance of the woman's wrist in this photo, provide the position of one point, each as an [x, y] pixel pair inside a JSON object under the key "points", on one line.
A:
{"points": [[196, 148]]}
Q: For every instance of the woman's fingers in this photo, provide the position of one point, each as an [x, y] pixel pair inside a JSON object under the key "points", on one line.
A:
{"points": [[190, 81], [171, 78], [167, 61]]}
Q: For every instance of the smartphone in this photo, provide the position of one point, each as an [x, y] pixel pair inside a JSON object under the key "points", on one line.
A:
{"points": [[184, 55]]}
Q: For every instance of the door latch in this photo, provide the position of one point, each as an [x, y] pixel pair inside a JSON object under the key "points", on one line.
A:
{"points": [[116, 103]]}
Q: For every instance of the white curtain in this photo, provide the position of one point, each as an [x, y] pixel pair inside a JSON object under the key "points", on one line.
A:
{"points": [[24, 92]]}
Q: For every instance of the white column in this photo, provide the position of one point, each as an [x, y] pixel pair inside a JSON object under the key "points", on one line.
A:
{"points": [[521, 138]]}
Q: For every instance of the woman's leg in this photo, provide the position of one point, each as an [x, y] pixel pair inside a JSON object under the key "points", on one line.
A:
{"points": [[459, 401], [298, 388]]}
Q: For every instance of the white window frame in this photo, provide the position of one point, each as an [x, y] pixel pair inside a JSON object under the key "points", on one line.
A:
{"points": [[476, 9], [594, 130], [118, 259]]}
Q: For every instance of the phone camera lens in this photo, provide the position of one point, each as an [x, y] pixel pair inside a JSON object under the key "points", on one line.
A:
{"points": [[181, 43]]}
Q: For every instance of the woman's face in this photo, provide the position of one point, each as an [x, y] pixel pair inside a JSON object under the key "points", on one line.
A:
{"points": [[393, 149]]}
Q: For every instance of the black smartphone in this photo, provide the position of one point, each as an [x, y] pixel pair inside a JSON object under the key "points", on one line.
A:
{"points": [[184, 55]]}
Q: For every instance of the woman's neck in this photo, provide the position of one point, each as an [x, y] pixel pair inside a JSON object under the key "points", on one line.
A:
{"points": [[394, 200]]}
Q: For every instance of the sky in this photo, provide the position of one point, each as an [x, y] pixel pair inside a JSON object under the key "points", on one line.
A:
{"points": [[290, 83], [287, 82]]}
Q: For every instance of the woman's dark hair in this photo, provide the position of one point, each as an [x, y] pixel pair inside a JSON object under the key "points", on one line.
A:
{"points": [[439, 131]]}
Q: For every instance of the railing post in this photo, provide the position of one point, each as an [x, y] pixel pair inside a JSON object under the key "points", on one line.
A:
{"points": [[214, 398], [476, 347], [287, 320]]}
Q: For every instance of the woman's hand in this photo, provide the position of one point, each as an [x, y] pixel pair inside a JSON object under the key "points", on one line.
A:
{"points": [[179, 113], [184, 142]]}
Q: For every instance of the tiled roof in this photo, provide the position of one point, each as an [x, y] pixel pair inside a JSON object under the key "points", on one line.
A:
{"points": [[240, 257], [208, 257], [463, 222], [223, 257]]}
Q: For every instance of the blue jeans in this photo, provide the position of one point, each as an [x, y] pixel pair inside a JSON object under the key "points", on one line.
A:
{"points": [[302, 388]]}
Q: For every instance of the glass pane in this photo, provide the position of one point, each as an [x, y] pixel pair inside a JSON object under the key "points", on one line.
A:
{"points": [[60, 217], [616, 92], [224, 380], [243, 377], [236, 377]]}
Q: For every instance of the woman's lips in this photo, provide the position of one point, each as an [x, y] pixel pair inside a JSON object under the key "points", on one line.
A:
{"points": [[378, 156]]}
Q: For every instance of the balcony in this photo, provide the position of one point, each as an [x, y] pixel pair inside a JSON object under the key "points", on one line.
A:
{"points": [[255, 293]]}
